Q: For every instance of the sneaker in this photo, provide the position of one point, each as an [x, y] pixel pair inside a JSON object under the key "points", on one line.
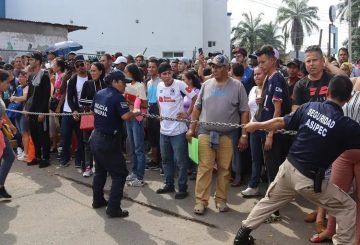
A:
{"points": [[162, 172], [136, 183], [21, 156], [181, 195], [153, 165], [63, 165], [131, 177], [165, 189], [272, 219], [222, 206], [19, 151], [4, 194], [251, 192], [88, 172]]}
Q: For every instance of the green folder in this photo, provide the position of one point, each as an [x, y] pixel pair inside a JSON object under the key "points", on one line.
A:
{"points": [[193, 148]]}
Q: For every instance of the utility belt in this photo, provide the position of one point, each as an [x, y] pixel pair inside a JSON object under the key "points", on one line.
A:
{"points": [[317, 175], [116, 134]]}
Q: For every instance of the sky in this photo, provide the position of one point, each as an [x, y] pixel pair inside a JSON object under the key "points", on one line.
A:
{"points": [[269, 8]]}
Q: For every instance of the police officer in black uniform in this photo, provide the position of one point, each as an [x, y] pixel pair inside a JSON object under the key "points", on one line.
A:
{"points": [[323, 134], [110, 111]]}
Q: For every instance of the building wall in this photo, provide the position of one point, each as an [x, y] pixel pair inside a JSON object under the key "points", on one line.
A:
{"points": [[132, 26], [27, 36], [216, 24]]}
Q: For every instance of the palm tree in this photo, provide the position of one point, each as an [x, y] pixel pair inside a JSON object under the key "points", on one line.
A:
{"points": [[296, 17], [248, 32], [269, 35], [343, 10], [343, 14]]}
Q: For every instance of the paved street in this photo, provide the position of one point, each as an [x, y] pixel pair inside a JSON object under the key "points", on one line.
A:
{"points": [[53, 206]]}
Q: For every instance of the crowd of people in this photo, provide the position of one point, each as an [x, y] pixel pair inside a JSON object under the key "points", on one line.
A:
{"points": [[250, 88]]}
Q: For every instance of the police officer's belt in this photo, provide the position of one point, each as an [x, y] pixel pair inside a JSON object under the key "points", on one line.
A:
{"points": [[108, 136], [310, 173]]}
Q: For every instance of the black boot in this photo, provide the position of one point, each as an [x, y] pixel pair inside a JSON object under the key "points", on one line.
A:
{"points": [[243, 237]]}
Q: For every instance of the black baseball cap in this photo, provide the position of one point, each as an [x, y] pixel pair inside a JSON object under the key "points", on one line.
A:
{"points": [[37, 56], [79, 57], [293, 62], [118, 76]]}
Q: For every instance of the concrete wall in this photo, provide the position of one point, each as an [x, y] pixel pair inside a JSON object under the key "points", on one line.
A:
{"points": [[131, 26], [27, 36]]}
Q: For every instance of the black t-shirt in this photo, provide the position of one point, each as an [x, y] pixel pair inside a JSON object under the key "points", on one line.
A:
{"points": [[307, 90], [323, 134]]}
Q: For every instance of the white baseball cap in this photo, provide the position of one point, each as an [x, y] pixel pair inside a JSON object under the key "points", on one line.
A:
{"points": [[119, 60]]}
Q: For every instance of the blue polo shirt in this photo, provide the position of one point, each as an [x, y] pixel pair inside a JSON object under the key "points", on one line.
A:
{"points": [[108, 107], [323, 134]]}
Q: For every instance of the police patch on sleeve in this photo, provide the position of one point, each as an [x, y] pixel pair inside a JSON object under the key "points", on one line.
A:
{"points": [[124, 105]]}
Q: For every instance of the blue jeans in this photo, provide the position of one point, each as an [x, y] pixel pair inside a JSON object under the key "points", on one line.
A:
{"points": [[257, 157], [135, 133], [236, 161], [68, 125], [7, 161], [174, 154]]}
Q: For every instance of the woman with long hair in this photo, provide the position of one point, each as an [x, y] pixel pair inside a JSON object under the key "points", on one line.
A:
{"points": [[135, 91], [90, 88]]}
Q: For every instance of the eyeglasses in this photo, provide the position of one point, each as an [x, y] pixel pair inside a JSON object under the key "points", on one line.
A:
{"points": [[80, 65]]}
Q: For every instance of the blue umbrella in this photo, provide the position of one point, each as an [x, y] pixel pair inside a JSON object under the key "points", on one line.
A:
{"points": [[63, 48]]}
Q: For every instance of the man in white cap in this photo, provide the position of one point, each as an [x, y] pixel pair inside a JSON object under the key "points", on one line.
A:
{"points": [[120, 63]]}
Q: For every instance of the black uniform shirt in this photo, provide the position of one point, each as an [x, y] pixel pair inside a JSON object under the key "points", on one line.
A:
{"points": [[108, 107], [323, 134]]}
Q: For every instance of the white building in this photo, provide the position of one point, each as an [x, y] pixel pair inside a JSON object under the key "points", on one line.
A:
{"points": [[162, 28]]}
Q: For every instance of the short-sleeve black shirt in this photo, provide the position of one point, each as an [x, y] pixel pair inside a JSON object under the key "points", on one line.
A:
{"points": [[323, 134], [306, 90]]}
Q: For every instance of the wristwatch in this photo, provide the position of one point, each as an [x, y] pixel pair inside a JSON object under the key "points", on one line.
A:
{"points": [[245, 136]]}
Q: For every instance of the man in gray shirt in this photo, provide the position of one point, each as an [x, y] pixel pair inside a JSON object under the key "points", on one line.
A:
{"points": [[221, 99]]}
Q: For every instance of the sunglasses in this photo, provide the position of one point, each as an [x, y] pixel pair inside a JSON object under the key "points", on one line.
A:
{"points": [[80, 65]]}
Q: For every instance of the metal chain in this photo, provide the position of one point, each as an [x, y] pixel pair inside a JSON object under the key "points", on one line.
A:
{"points": [[217, 124], [47, 113]]}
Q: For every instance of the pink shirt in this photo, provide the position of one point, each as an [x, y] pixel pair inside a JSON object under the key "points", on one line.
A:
{"points": [[57, 85]]}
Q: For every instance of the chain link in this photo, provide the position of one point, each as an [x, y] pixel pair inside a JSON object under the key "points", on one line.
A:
{"points": [[217, 124]]}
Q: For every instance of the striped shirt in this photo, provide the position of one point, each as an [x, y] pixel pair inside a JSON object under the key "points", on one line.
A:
{"points": [[352, 108]]}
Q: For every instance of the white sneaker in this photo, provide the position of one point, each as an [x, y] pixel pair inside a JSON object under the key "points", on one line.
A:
{"points": [[251, 192], [136, 183], [88, 172], [21, 156], [131, 177], [19, 151]]}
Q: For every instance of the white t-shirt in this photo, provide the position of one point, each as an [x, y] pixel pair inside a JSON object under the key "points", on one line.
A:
{"points": [[66, 104], [137, 89], [170, 101], [252, 102], [79, 85]]}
